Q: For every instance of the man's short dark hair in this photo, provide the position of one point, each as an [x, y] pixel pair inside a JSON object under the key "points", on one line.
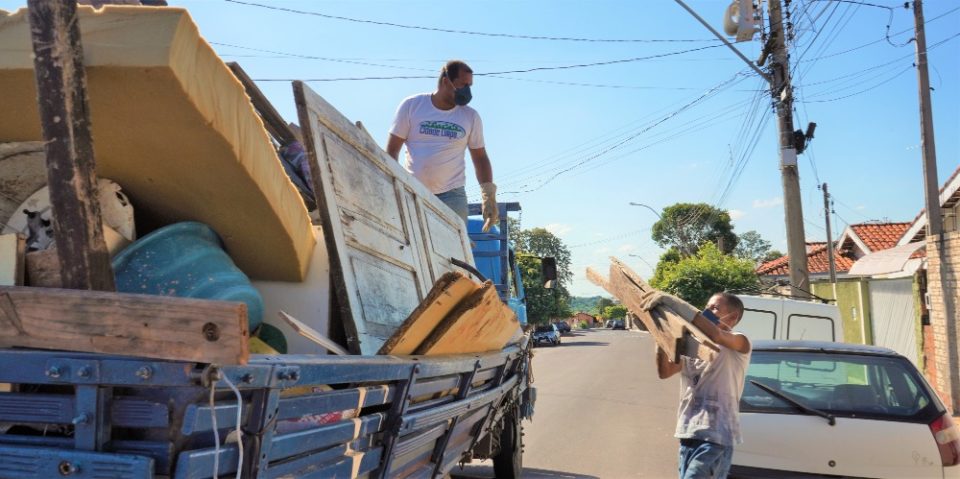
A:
{"points": [[733, 302], [452, 70]]}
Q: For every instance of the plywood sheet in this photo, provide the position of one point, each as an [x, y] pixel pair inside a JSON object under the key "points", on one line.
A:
{"points": [[480, 323], [389, 238], [174, 127], [13, 250], [449, 291]]}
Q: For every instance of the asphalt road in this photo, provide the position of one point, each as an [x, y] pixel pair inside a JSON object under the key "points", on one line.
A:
{"points": [[601, 411]]}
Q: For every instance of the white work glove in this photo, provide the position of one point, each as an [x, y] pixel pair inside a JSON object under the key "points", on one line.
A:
{"points": [[654, 298], [491, 214]]}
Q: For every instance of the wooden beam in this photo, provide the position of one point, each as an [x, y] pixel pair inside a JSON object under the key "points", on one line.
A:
{"points": [[672, 333], [128, 324], [65, 123], [272, 120]]}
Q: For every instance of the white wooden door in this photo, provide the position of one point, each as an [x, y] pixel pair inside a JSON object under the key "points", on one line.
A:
{"points": [[388, 237]]}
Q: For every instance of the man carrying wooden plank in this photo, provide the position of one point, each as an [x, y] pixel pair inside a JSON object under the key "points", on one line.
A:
{"points": [[708, 420], [437, 127]]}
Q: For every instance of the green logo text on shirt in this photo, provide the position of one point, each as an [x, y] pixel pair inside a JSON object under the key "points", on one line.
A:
{"points": [[442, 128]]}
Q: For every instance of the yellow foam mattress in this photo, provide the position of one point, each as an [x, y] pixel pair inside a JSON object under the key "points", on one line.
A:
{"points": [[174, 128]]}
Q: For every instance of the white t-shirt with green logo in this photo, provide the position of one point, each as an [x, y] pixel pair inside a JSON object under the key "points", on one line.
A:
{"points": [[436, 141]]}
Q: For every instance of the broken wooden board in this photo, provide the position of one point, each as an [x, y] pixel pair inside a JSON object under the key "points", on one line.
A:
{"points": [[175, 128], [480, 323], [389, 238], [128, 324], [672, 333], [13, 251], [447, 293]]}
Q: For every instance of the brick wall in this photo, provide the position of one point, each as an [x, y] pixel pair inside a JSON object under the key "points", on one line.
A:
{"points": [[942, 286]]}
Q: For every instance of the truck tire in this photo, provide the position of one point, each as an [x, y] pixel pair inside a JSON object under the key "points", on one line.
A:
{"points": [[508, 463]]}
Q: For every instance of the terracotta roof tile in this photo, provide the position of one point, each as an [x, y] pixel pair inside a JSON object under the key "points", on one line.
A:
{"points": [[817, 262], [880, 236]]}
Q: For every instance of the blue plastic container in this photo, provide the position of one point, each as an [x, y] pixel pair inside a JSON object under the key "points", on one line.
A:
{"points": [[185, 260]]}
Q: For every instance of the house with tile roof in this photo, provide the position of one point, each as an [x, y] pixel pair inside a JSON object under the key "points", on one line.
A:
{"points": [[857, 241]]}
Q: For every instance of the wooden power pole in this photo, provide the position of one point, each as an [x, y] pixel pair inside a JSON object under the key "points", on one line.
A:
{"points": [[830, 252], [65, 123], [782, 93]]}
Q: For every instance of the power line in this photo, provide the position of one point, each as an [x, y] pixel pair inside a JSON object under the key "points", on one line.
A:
{"points": [[607, 240], [470, 32], [506, 72]]}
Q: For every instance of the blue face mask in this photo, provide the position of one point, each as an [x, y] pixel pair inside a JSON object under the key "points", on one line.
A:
{"points": [[462, 96], [710, 316]]}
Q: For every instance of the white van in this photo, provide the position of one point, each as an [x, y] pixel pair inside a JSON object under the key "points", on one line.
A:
{"points": [[777, 317]]}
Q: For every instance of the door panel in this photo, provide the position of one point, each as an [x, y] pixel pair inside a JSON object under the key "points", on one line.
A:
{"points": [[388, 237]]}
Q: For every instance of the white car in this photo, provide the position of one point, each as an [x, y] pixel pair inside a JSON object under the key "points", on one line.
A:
{"points": [[824, 409]]}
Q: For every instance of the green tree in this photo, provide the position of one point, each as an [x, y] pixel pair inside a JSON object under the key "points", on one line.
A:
{"points": [[601, 305], [752, 246], [687, 226], [542, 304], [617, 311], [698, 277], [531, 245]]}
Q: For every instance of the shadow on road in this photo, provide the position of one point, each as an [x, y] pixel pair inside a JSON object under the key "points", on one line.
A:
{"points": [[484, 472], [584, 343]]}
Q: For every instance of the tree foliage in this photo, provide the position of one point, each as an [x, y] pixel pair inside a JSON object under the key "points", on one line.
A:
{"points": [[542, 304], [617, 311], [687, 226], [698, 277], [752, 246], [530, 246], [602, 304]]}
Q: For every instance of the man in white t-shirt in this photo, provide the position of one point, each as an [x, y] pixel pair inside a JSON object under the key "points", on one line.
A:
{"points": [[437, 128], [708, 420]]}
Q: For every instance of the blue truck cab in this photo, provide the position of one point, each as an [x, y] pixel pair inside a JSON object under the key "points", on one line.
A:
{"points": [[495, 258]]}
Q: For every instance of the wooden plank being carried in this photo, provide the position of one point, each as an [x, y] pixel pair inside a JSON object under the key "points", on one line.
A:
{"points": [[449, 291], [480, 323], [672, 333], [389, 238], [148, 326]]}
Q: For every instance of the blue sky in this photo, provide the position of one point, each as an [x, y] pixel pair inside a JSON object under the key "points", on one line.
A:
{"points": [[576, 145]]}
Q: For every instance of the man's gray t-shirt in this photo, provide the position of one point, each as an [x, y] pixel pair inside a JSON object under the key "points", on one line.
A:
{"points": [[710, 397]]}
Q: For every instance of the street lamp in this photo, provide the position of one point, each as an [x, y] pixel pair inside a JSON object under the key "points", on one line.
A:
{"points": [[647, 207]]}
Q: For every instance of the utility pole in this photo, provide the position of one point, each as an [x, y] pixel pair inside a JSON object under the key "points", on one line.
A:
{"points": [[949, 374], [826, 215], [931, 184], [782, 93]]}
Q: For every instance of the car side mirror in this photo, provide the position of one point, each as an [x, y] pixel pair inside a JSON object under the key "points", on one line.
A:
{"points": [[548, 266]]}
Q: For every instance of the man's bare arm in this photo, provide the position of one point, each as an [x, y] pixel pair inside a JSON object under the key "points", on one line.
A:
{"points": [[736, 342], [666, 368], [394, 143], [481, 164]]}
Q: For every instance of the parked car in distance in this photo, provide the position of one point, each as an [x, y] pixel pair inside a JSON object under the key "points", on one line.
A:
{"points": [[825, 409], [562, 327], [618, 324], [546, 333]]}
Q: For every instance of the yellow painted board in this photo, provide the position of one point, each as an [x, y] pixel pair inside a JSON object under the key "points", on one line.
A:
{"points": [[449, 291], [174, 127], [480, 323]]}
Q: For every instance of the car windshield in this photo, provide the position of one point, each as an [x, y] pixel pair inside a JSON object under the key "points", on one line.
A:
{"points": [[544, 329], [845, 385]]}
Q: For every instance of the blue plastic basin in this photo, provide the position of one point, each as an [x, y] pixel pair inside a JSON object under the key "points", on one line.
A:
{"points": [[185, 260]]}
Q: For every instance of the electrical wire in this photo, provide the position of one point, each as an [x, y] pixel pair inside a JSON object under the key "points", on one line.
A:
{"points": [[468, 32], [505, 72]]}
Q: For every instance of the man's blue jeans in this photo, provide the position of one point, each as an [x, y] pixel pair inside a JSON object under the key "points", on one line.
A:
{"points": [[456, 199], [702, 459]]}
